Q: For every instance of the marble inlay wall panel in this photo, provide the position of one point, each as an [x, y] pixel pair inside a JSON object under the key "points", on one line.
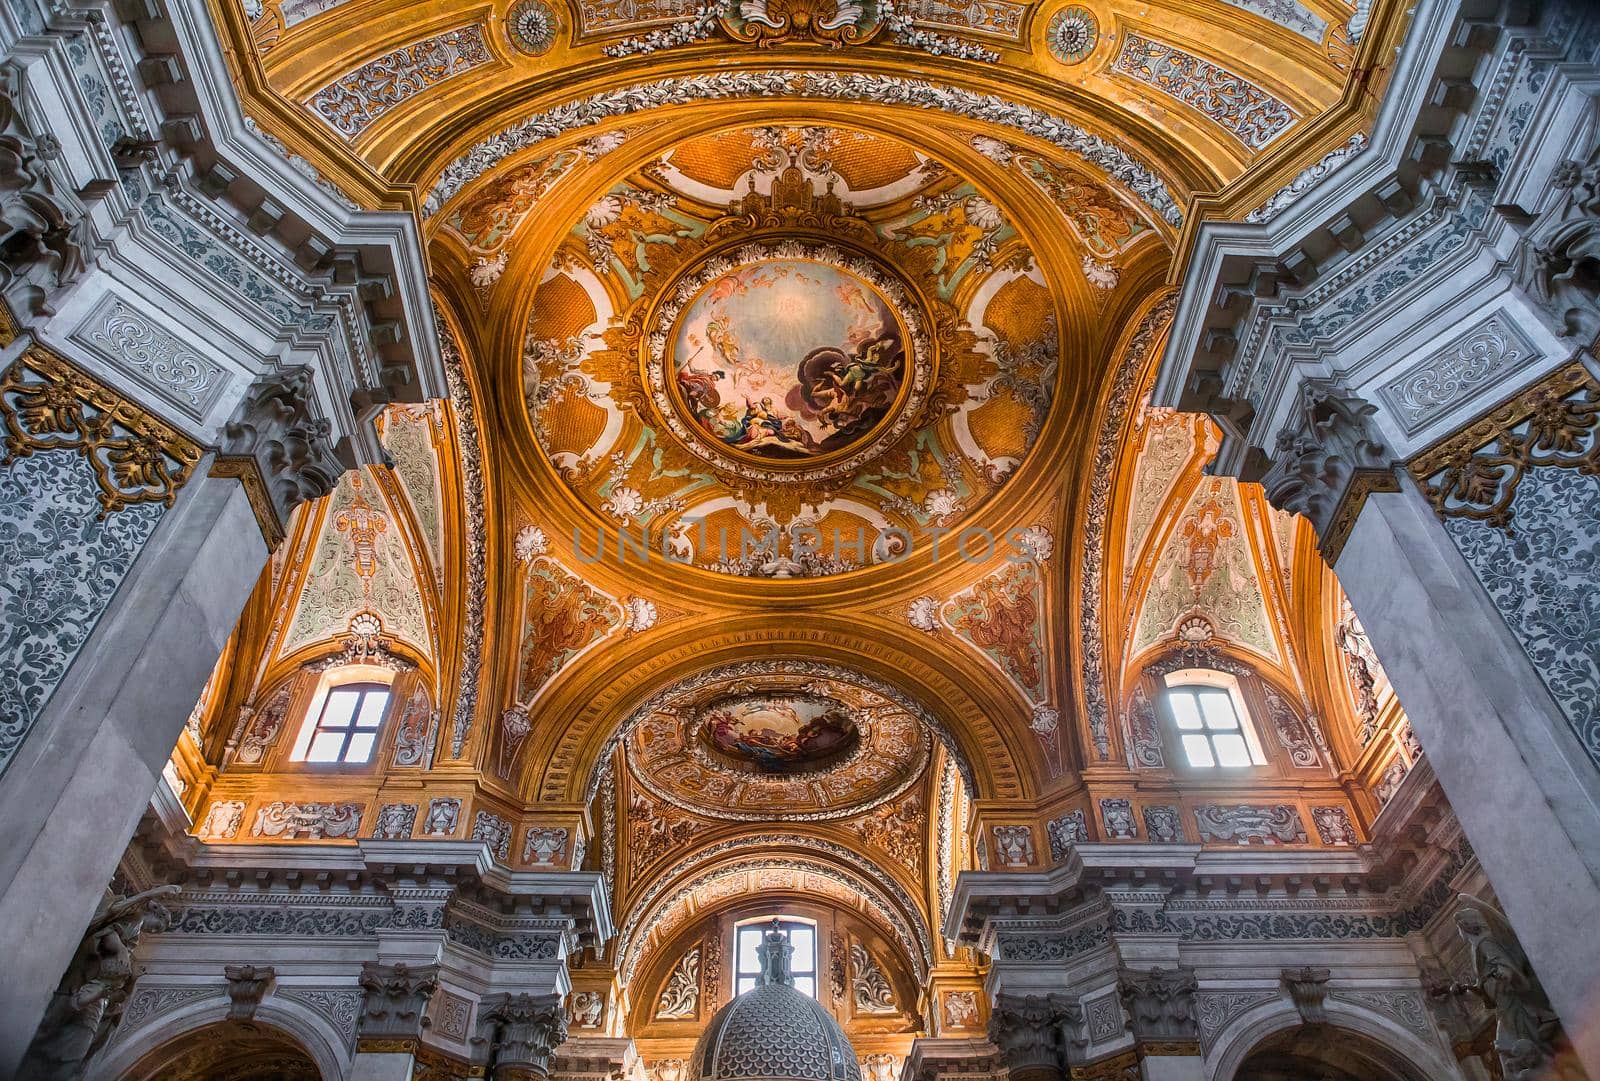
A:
{"points": [[64, 563], [1544, 577]]}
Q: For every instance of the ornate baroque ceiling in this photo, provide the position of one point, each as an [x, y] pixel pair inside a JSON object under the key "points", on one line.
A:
{"points": [[798, 467]]}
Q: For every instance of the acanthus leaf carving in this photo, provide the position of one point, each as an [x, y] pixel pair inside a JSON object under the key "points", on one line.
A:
{"points": [[680, 997], [281, 449], [1327, 457], [870, 988]]}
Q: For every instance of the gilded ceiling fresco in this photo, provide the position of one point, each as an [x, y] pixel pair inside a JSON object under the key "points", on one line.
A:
{"points": [[798, 525], [787, 364]]}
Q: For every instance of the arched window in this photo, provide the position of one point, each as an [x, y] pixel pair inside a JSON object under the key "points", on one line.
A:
{"points": [[802, 935], [341, 727], [1213, 725]]}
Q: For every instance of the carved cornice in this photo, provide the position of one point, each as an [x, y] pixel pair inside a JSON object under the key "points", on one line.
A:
{"points": [[48, 404]]}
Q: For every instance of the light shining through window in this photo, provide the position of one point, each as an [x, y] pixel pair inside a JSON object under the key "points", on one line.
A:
{"points": [[802, 964]]}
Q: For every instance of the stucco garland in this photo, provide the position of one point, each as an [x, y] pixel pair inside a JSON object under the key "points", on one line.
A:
{"points": [[1102, 475], [1116, 162]]}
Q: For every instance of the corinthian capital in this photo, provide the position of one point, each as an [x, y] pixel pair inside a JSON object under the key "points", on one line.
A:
{"points": [[43, 226], [397, 995], [281, 449], [523, 1032], [1027, 1030], [1328, 457]]}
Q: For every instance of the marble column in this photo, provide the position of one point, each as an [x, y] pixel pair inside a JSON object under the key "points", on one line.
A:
{"points": [[1510, 765], [83, 775], [522, 1032], [132, 550], [1159, 1003]]}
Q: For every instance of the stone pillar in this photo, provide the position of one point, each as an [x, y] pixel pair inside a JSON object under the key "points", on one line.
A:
{"points": [[133, 561], [522, 1032], [392, 1019], [1521, 782], [1027, 1030], [1159, 1004]]}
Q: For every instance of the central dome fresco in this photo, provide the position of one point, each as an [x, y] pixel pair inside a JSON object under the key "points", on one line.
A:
{"points": [[787, 359], [831, 344]]}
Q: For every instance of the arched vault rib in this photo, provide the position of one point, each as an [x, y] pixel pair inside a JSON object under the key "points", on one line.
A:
{"points": [[885, 899], [983, 721]]}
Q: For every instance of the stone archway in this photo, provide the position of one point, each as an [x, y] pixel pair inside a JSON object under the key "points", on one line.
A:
{"points": [[1324, 1053], [227, 1051]]}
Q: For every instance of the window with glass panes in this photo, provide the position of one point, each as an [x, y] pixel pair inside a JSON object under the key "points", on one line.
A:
{"points": [[802, 963], [347, 728], [1209, 726]]}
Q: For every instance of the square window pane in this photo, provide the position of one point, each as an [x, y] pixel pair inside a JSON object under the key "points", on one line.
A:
{"points": [[1198, 749], [745, 983], [360, 748], [371, 714], [1231, 749], [1183, 709], [749, 940], [803, 939], [325, 747], [1218, 707], [806, 985], [336, 713]]}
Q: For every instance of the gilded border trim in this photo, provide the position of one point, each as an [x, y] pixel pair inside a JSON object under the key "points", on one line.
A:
{"points": [[1474, 472], [1365, 482], [136, 457]]}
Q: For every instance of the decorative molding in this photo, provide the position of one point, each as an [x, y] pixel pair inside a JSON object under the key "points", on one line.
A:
{"points": [[1289, 194], [307, 821], [1244, 823], [48, 404], [1308, 989], [680, 997], [1216, 1010], [1116, 819], [1013, 845], [1163, 825], [152, 357], [1102, 476], [1233, 103], [472, 487], [1139, 179], [1475, 472], [1065, 831], [871, 991], [1455, 372], [247, 986], [46, 229], [1334, 826], [357, 99], [545, 846], [395, 821], [444, 815], [495, 831], [222, 821]]}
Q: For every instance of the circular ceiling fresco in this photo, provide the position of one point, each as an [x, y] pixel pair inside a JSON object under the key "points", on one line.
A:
{"points": [[754, 740], [771, 353], [786, 359]]}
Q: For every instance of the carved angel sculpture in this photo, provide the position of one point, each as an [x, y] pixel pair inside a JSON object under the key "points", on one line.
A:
{"points": [[1526, 1027], [88, 1002]]}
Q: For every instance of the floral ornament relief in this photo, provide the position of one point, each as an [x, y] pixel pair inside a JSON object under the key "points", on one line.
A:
{"points": [[1073, 34], [532, 26]]}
